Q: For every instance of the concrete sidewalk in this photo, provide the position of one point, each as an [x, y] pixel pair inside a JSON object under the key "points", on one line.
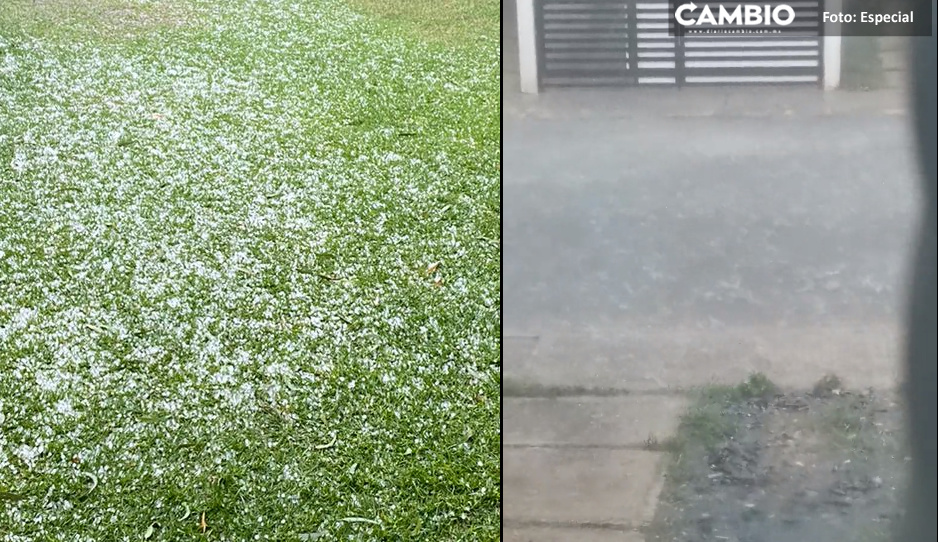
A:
{"points": [[575, 468], [700, 102], [669, 360]]}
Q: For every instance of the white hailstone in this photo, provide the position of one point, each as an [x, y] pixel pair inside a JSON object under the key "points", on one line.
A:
{"points": [[65, 408], [28, 454]]}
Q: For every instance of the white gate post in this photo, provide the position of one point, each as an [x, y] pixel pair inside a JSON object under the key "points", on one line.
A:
{"points": [[832, 43], [527, 46]]}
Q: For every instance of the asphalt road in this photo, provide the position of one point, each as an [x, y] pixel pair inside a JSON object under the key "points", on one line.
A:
{"points": [[707, 221]]}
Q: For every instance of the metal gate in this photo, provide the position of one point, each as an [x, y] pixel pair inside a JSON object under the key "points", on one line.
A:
{"points": [[627, 42]]}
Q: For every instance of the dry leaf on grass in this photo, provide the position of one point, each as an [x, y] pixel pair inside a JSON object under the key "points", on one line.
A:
{"points": [[325, 446], [359, 520]]}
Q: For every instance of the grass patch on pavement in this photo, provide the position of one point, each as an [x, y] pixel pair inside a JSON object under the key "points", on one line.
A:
{"points": [[248, 276], [512, 387], [751, 461], [708, 421]]}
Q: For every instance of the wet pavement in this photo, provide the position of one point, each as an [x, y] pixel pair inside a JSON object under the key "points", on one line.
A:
{"points": [[707, 221]]}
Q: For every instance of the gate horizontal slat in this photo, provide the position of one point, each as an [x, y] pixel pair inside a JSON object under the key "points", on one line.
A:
{"points": [[773, 53], [554, 37], [587, 55], [751, 79], [736, 43], [605, 81], [751, 72], [586, 46], [740, 64]]}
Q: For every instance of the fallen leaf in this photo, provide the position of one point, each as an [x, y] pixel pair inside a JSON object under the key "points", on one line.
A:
{"points": [[202, 524], [433, 267], [7, 496], [438, 281], [324, 446], [359, 520], [93, 479]]}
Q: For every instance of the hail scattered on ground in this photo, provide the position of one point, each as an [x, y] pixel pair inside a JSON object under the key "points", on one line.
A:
{"points": [[249, 257]]}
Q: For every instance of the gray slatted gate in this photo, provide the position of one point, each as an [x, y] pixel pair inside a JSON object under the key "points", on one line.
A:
{"points": [[626, 42], [585, 43]]}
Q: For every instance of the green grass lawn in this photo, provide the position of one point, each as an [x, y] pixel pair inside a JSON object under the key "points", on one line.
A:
{"points": [[249, 271]]}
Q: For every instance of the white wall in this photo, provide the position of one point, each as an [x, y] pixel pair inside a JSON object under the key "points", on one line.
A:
{"points": [[832, 43], [527, 46]]}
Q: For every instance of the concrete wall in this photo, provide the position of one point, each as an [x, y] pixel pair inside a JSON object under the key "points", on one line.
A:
{"points": [[894, 54], [510, 69]]}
